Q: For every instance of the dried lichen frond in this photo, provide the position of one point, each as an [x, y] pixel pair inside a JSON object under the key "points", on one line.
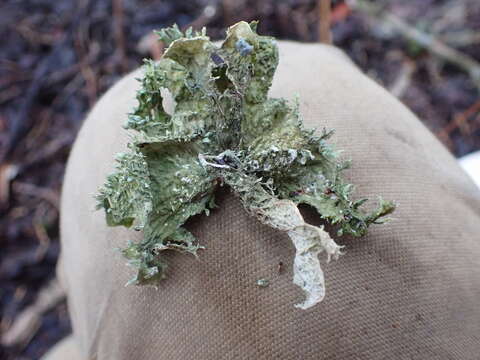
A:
{"points": [[225, 130]]}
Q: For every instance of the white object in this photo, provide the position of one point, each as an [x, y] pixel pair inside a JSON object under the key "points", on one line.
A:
{"points": [[471, 164]]}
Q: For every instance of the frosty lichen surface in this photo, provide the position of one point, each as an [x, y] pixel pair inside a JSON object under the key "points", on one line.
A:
{"points": [[225, 130]]}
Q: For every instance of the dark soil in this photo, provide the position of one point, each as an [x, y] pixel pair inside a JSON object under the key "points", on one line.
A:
{"points": [[58, 57]]}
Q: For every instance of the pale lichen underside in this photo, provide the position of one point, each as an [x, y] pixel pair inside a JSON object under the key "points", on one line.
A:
{"points": [[226, 131]]}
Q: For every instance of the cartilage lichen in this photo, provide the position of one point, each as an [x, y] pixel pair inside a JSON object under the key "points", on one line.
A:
{"points": [[225, 130]]}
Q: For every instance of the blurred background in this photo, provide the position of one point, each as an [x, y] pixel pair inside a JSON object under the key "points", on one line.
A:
{"points": [[58, 57]]}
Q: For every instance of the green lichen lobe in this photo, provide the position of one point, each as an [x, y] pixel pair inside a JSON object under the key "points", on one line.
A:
{"points": [[225, 130]]}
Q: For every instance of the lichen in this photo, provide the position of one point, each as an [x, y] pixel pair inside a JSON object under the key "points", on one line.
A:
{"points": [[226, 131]]}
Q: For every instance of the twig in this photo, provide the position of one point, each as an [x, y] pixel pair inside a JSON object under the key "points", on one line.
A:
{"points": [[13, 77], [11, 93], [460, 121], [425, 40], [403, 79], [43, 239], [461, 38], [47, 152], [73, 86], [324, 16], [118, 14], [28, 322], [39, 192], [297, 20], [448, 16], [18, 296], [72, 71], [476, 124], [40, 223], [85, 69], [35, 37], [8, 172]]}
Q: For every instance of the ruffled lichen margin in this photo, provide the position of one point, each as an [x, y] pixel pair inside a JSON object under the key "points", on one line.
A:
{"points": [[225, 130]]}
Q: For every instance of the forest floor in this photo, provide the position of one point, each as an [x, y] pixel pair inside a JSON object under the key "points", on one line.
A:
{"points": [[58, 57]]}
